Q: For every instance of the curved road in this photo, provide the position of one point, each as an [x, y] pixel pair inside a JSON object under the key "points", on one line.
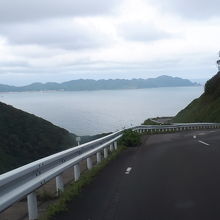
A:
{"points": [[170, 176]]}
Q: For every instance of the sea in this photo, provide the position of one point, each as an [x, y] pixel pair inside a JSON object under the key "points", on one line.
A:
{"points": [[95, 112]]}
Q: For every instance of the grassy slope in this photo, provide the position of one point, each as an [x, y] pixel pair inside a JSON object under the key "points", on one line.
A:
{"points": [[25, 138], [206, 108], [149, 122]]}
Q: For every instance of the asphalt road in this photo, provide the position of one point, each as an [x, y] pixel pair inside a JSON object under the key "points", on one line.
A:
{"points": [[170, 176]]}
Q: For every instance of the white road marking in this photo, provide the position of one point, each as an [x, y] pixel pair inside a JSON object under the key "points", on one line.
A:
{"points": [[202, 142], [202, 133], [194, 136], [128, 170]]}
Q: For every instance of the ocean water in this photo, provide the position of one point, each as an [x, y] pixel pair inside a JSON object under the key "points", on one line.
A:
{"points": [[93, 112]]}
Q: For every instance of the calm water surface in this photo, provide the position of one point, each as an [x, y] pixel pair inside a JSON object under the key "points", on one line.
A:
{"points": [[92, 112]]}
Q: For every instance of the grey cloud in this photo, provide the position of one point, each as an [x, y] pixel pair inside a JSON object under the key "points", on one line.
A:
{"points": [[87, 68], [65, 34], [26, 10], [195, 9], [84, 66], [141, 32], [9, 64]]}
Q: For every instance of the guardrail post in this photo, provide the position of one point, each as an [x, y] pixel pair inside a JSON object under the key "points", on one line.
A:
{"points": [[89, 163], [59, 184], [105, 152], [32, 206], [116, 145], [98, 157], [76, 172], [111, 147]]}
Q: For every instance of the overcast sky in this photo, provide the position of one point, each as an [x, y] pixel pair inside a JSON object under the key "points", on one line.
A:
{"points": [[60, 40]]}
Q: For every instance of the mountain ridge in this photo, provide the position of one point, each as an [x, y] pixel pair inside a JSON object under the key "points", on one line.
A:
{"points": [[102, 84]]}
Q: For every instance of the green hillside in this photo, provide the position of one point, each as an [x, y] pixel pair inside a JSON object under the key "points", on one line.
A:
{"points": [[25, 138], [206, 108]]}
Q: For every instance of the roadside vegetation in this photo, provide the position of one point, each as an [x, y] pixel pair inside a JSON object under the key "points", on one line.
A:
{"points": [[130, 138]]}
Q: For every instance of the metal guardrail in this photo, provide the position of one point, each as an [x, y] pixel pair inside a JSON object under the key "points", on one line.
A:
{"points": [[177, 127], [25, 180]]}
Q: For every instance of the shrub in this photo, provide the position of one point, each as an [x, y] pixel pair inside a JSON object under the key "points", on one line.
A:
{"points": [[130, 138]]}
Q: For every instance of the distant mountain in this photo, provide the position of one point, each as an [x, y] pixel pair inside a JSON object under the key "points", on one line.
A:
{"points": [[6, 88], [25, 137], [110, 84], [206, 108]]}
